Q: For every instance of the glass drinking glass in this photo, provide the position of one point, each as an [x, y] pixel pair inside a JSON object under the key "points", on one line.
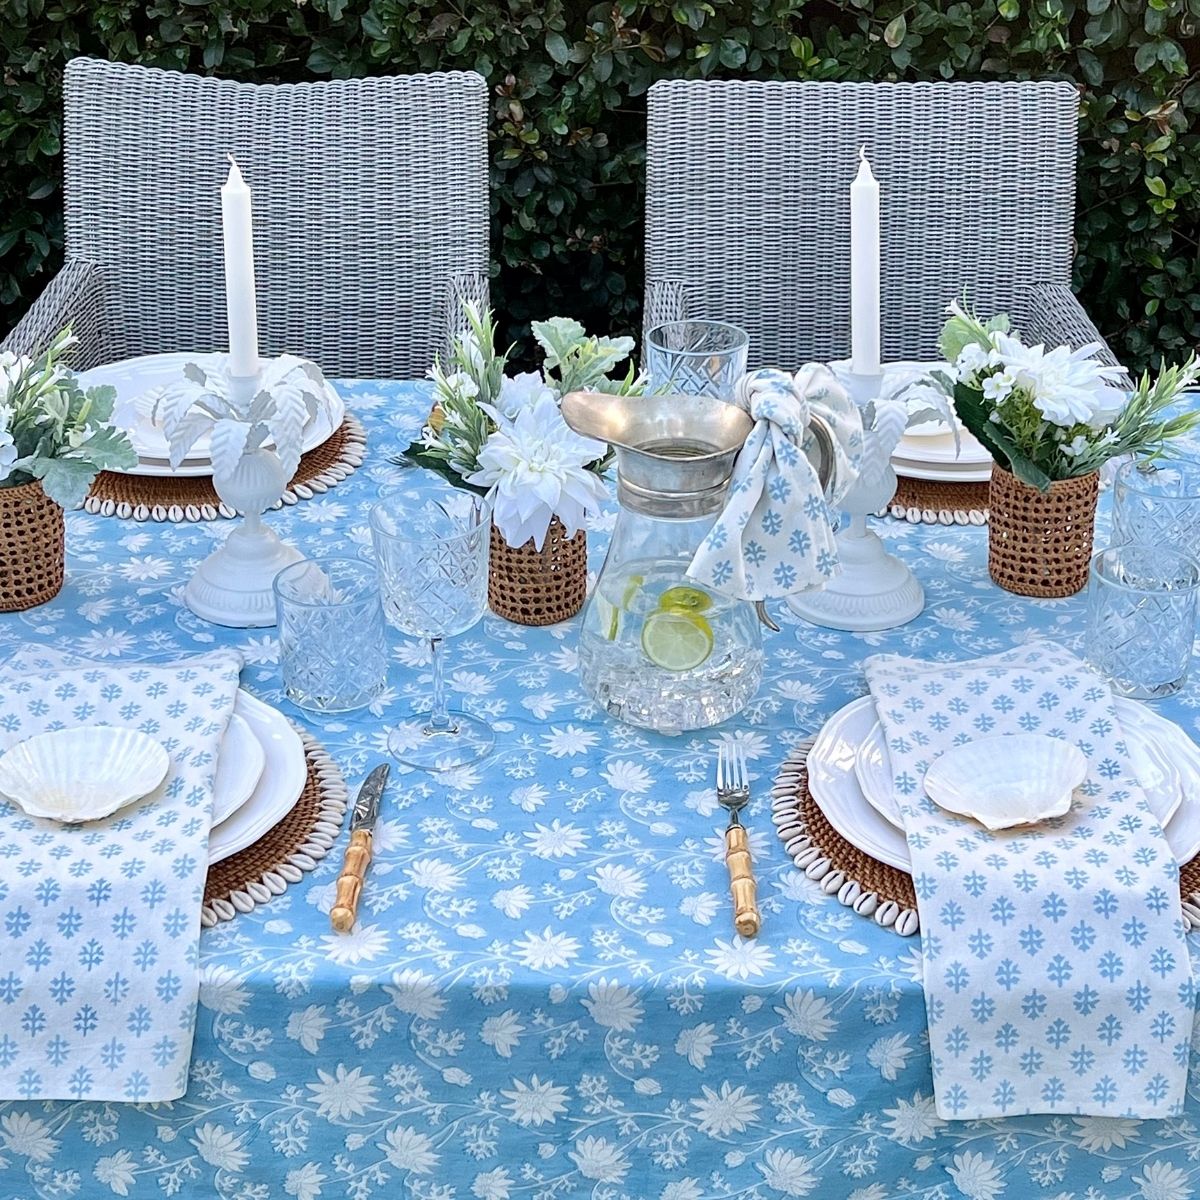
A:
{"points": [[432, 558], [1142, 618], [332, 649], [696, 358], [1158, 503]]}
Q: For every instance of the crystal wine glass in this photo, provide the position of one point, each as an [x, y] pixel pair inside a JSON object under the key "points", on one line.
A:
{"points": [[432, 558]]}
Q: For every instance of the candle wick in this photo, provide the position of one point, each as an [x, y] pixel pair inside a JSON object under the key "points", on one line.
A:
{"points": [[862, 153]]}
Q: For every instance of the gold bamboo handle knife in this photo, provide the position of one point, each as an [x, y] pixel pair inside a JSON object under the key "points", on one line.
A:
{"points": [[344, 912], [746, 918]]}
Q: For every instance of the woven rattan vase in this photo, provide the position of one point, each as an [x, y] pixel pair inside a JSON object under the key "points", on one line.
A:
{"points": [[538, 587], [32, 547], [1040, 543]]}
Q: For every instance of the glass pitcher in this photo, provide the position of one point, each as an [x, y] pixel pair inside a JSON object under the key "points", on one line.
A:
{"points": [[657, 649]]}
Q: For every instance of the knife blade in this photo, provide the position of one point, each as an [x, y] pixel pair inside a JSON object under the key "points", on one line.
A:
{"points": [[358, 853]]}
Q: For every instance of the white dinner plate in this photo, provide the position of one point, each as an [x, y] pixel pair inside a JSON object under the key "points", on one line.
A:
{"points": [[938, 450], [239, 766], [277, 790], [1153, 745], [140, 381], [945, 474], [835, 787]]}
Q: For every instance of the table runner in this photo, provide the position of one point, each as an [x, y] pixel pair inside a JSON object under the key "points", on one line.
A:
{"points": [[99, 977], [1056, 971], [323, 1065]]}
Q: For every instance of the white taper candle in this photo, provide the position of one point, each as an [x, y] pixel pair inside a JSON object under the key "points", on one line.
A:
{"points": [[240, 299], [864, 271]]}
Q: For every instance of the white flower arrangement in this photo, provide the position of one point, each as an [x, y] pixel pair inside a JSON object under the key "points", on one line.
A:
{"points": [[504, 435], [536, 468], [1048, 414], [288, 394], [52, 430]]}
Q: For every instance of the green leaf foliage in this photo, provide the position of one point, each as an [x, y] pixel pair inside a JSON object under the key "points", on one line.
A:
{"points": [[973, 412], [568, 83]]}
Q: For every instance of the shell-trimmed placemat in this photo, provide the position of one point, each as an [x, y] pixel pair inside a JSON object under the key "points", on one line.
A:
{"points": [[926, 502], [170, 498], [861, 882], [285, 852]]}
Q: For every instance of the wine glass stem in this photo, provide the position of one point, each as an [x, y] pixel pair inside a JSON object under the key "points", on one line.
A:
{"points": [[439, 717]]}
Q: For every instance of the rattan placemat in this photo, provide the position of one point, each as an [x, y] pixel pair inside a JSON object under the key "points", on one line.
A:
{"points": [[862, 882], [286, 851], [169, 498], [925, 502]]}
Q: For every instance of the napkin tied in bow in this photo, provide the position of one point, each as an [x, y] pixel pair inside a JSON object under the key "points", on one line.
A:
{"points": [[773, 538]]}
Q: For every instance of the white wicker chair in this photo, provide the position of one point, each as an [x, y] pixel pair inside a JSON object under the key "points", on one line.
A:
{"points": [[370, 209], [747, 209]]}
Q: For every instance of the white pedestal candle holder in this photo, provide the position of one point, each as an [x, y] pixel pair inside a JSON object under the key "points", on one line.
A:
{"points": [[233, 586], [874, 589]]}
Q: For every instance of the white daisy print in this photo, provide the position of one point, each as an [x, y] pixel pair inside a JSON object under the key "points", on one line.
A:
{"points": [[743, 958], [546, 951], [600, 1159], [556, 840], [502, 1033], [344, 1093], [729, 1110], [535, 1103], [409, 1150], [613, 1006]]}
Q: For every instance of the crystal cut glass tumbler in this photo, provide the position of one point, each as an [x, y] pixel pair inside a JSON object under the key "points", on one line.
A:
{"points": [[696, 358], [332, 648], [1142, 618], [432, 557], [1158, 503]]}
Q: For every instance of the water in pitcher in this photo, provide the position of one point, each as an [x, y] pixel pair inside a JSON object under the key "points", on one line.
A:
{"points": [[658, 651]]}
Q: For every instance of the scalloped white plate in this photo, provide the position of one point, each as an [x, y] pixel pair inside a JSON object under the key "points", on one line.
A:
{"points": [[239, 765], [277, 790], [836, 789], [1153, 742]]}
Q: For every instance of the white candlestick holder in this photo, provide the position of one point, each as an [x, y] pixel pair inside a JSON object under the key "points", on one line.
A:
{"points": [[874, 589], [233, 586]]}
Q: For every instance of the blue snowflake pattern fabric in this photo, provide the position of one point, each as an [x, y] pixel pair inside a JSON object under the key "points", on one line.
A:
{"points": [[99, 977], [774, 537], [545, 999], [1057, 977]]}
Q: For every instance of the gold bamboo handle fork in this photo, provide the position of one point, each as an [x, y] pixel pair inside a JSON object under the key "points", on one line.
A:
{"points": [[733, 794]]}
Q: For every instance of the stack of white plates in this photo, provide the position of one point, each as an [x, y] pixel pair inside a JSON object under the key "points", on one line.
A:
{"points": [[850, 778], [141, 382], [261, 773], [928, 452]]}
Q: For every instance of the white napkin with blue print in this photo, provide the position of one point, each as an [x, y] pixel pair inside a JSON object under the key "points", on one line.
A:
{"points": [[100, 974], [1057, 977], [774, 538]]}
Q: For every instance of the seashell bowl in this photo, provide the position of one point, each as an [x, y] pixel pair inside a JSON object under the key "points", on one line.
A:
{"points": [[82, 774], [1006, 781]]}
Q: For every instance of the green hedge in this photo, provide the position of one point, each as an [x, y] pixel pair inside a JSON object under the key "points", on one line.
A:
{"points": [[568, 90]]}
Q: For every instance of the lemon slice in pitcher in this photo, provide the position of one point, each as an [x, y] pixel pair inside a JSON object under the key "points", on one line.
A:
{"points": [[685, 599], [676, 641]]}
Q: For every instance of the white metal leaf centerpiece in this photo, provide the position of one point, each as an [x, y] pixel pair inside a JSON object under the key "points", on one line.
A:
{"points": [[1010, 780], [241, 416], [255, 427]]}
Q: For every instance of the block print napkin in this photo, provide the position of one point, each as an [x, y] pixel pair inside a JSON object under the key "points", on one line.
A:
{"points": [[1056, 971], [100, 923], [773, 537]]}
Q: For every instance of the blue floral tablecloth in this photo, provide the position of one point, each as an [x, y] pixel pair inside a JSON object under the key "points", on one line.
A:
{"points": [[545, 998]]}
